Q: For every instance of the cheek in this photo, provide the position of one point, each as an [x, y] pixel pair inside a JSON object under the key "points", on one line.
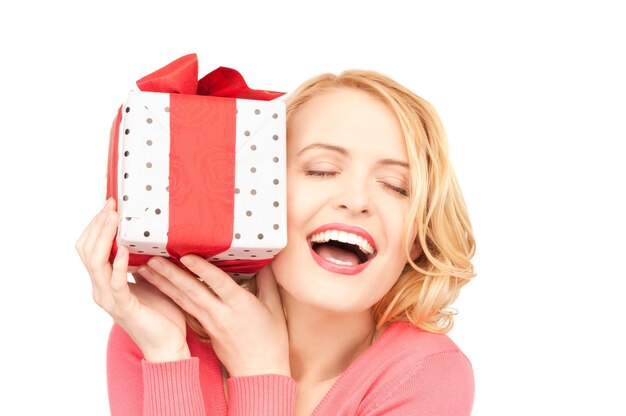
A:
{"points": [[304, 201], [395, 235], [296, 202], [395, 224]]}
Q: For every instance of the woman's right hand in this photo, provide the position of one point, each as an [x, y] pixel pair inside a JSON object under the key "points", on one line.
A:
{"points": [[151, 319]]}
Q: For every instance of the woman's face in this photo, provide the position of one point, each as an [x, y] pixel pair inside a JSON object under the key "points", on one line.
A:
{"points": [[347, 194]]}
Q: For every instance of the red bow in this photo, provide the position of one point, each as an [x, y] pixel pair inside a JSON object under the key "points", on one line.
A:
{"points": [[181, 77]]}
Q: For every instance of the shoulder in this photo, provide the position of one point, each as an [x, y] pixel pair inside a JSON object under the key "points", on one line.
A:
{"points": [[427, 369], [402, 341]]}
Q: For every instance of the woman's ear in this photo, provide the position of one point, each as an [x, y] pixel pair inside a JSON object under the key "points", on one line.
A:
{"points": [[416, 249]]}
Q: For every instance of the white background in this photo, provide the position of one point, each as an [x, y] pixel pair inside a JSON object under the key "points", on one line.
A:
{"points": [[533, 98]]}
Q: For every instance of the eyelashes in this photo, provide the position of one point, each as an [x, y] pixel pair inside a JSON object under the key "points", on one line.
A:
{"points": [[320, 173], [393, 188], [329, 174]]}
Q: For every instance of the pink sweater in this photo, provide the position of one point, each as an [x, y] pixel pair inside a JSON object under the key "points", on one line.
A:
{"points": [[406, 371]]}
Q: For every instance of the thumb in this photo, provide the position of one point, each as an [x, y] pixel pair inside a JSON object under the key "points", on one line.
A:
{"points": [[267, 289]]}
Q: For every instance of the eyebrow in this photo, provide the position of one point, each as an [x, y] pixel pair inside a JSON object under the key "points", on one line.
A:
{"points": [[338, 149], [344, 152]]}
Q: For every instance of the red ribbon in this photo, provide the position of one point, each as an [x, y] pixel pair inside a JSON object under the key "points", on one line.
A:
{"points": [[202, 159], [242, 266], [181, 77]]}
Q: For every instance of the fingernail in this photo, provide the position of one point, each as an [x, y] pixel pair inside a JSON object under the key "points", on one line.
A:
{"points": [[110, 218], [188, 261], [144, 271], [155, 263]]}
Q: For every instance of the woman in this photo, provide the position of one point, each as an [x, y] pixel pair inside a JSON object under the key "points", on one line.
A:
{"points": [[349, 318]]}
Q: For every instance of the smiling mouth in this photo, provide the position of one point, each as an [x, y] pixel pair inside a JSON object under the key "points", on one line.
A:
{"points": [[342, 247]]}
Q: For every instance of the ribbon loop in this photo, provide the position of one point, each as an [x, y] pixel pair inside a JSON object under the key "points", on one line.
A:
{"points": [[181, 77], [227, 82]]}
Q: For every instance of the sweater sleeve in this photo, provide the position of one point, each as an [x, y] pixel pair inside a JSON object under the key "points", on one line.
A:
{"points": [[262, 395], [138, 387], [441, 384]]}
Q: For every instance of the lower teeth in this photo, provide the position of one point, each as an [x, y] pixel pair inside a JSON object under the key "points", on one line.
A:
{"points": [[343, 263]]}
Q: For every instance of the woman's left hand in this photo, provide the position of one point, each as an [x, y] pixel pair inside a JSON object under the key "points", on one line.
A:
{"points": [[248, 334]]}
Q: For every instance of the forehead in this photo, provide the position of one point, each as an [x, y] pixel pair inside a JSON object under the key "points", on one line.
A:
{"points": [[350, 118]]}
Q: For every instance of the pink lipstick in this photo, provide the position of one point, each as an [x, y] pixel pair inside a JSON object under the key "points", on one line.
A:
{"points": [[342, 248]]}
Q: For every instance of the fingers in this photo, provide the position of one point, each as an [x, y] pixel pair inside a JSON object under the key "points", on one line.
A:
{"points": [[94, 248], [92, 223], [92, 231], [222, 284], [110, 282], [161, 283], [101, 247], [184, 289], [119, 278], [81, 240], [97, 243]]}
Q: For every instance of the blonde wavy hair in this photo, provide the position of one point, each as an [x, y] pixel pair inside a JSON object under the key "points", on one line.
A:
{"points": [[429, 284]]}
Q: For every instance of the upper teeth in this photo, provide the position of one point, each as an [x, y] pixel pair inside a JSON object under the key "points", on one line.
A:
{"points": [[344, 237]]}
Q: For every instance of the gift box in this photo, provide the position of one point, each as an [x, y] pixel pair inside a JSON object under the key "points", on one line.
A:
{"points": [[198, 167]]}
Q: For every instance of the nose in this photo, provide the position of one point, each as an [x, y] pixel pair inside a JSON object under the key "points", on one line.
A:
{"points": [[355, 197]]}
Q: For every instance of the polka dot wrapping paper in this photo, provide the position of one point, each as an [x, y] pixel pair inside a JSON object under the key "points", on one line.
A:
{"points": [[202, 175]]}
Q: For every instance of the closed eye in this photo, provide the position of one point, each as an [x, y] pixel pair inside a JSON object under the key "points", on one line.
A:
{"points": [[320, 173], [396, 189]]}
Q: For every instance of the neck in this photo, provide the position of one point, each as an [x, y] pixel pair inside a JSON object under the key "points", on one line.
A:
{"points": [[322, 344]]}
